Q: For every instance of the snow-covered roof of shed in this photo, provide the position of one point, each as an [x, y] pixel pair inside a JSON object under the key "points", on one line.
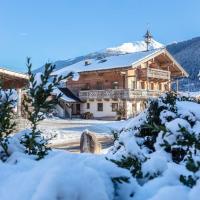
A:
{"points": [[111, 62], [64, 97]]}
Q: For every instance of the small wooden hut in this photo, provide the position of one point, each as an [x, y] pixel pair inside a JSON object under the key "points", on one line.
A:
{"points": [[14, 80]]}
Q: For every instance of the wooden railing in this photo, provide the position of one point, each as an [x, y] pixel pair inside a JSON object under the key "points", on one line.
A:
{"points": [[117, 94], [154, 73]]}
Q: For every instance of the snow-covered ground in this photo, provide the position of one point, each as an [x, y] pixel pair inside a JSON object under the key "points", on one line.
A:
{"points": [[68, 131], [191, 94]]}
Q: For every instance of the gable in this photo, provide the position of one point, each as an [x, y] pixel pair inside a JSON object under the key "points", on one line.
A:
{"points": [[167, 63]]}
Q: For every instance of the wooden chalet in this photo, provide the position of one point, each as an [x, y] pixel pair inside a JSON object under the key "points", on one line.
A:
{"points": [[122, 81]]}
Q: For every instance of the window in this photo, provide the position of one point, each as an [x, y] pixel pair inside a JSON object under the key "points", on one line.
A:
{"points": [[87, 86], [160, 86], [134, 108], [88, 105], [99, 85], [133, 85], [142, 85], [142, 105], [166, 86], [115, 85], [99, 106], [114, 107], [152, 86]]}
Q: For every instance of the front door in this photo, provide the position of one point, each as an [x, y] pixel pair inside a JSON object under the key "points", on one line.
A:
{"points": [[78, 109]]}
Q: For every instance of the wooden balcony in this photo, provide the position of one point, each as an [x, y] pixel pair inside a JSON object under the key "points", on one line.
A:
{"points": [[154, 74], [117, 94]]}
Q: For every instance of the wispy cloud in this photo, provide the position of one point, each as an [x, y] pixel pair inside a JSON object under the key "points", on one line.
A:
{"points": [[23, 34]]}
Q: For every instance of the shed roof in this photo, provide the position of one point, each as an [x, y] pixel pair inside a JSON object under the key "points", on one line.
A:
{"points": [[67, 95], [12, 79]]}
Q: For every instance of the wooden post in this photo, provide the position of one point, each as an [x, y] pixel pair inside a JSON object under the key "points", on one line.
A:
{"points": [[147, 76], [169, 78], [70, 111], [19, 101], [169, 85]]}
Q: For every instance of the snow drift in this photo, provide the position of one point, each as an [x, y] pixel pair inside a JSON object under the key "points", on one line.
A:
{"points": [[63, 176]]}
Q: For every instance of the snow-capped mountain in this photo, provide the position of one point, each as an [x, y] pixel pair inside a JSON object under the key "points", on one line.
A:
{"points": [[132, 47], [118, 50]]}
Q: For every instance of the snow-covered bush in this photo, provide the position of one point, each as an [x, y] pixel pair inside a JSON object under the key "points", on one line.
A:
{"points": [[162, 146]]}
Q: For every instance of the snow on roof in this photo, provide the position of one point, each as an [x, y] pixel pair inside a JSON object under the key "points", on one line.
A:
{"points": [[111, 62], [13, 73], [67, 92], [64, 97]]}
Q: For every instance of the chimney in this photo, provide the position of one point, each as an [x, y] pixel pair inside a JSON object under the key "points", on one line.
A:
{"points": [[87, 62]]}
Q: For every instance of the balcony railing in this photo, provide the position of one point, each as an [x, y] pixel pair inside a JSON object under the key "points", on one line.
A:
{"points": [[117, 94], [154, 73]]}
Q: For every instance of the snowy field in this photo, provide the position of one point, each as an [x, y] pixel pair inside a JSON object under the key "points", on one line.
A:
{"points": [[68, 131]]}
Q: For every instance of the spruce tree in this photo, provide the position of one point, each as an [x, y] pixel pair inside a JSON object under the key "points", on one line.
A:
{"points": [[35, 102], [7, 124]]}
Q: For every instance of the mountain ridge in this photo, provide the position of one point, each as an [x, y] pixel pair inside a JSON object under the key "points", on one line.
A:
{"points": [[187, 53]]}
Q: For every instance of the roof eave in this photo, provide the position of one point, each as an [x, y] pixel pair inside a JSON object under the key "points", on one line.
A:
{"points": [[163, 50], [12, 73], [176, 63]]}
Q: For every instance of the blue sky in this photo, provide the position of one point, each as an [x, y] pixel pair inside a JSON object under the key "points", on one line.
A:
{"points": [[50, 30]]}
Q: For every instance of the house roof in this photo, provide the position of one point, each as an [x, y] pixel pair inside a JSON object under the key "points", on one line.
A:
{"points": [[117, 61], [12, 79], [67, 95]]}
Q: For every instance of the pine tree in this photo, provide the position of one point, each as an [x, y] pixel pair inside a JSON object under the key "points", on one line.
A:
{"points": [[7, 124], [37, 100]]}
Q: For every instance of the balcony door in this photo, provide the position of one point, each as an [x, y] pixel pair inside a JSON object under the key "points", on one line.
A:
{"points": [[99, 85]]}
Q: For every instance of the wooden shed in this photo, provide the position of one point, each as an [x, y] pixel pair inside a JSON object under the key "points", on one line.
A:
{"points": [[14, 80]]}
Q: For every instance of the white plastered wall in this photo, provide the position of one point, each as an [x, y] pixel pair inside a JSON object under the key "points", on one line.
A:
{"points": [[107, 108], [134, 107]]}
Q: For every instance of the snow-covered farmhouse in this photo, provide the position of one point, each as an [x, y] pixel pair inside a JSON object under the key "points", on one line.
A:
{"points": [[122, 80]]}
